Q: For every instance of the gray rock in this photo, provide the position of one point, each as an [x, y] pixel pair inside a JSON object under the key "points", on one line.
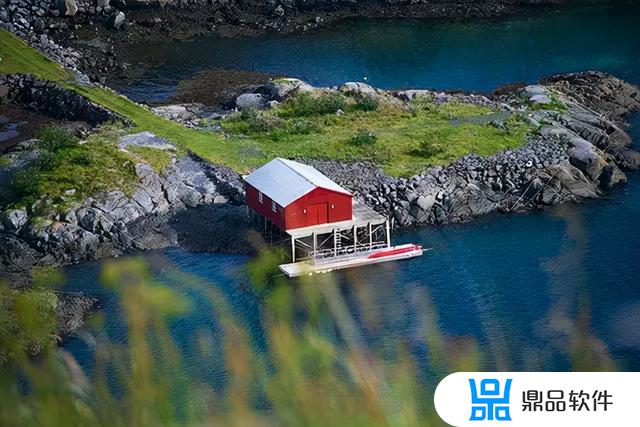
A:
{"points": [[14, 220], [88, 218], [535, 90], [540, 100], [359, 88], [116, 21], [250, 100], [583, 155], [145, 139], [426, 202], [67, 7], [143, 199]]}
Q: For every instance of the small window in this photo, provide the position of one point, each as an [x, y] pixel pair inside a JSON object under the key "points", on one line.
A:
{"points": [[273, 206], [260, 196]]}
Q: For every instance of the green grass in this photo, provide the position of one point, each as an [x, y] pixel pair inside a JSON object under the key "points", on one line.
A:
{"points": [[399, 134], [67, 172], [555, 105], [304, 126]]}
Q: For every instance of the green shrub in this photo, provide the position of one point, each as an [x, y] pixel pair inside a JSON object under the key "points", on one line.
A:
{"points": [[309, 104], [80, 157], [256, 120], [365, 103], [46, 161], [363, 138], [302, 127], [54, 138], [25, 185]]}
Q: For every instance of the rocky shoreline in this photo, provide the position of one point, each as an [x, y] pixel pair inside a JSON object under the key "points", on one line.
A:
{"points": [[578, 152]]}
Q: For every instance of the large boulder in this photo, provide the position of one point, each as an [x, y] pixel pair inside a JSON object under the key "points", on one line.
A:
{"points": [[359, 88], [250, 100], [585, 157]]}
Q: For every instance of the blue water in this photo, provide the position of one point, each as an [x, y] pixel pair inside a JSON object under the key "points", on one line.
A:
{"points": [[413, 53], [513, 284]]}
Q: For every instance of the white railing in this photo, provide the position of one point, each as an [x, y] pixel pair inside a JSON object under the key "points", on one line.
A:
{"points": [[345, 253]]}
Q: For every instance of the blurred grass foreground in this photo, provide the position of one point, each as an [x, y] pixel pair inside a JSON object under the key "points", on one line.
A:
{"points": [[310, 364]]}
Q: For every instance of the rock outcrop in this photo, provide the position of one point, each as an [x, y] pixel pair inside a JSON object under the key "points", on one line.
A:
{"points": [[112, 223], [578, 152]]}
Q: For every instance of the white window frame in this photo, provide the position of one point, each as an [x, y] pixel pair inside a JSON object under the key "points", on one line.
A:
{"points": [[274, 207], [260, 197]]}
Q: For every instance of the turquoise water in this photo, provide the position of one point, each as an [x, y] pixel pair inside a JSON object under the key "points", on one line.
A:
{"points": [[421, 54]]}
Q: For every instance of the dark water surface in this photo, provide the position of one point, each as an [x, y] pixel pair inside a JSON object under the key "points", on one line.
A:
{"points": [[514, 283], [413, 53]]}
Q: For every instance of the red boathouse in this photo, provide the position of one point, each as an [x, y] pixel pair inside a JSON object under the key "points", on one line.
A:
{"points": [[328, 229], [292, 195]]}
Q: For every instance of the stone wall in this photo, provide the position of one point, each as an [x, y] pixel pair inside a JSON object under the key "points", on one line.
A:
{"points": [[52, 100]]}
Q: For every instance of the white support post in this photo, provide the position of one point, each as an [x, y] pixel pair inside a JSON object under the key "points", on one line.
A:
{"points": [[388, 234], [315, 244], [335, 242], [293, 249], [355, 238], [370, 237]]}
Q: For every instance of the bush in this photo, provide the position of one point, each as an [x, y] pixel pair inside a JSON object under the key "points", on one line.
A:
{"points": [[256, 121], [302, 127], [363, 138], [80, 157], [55, 138], [308, 104], [25, 186], [365, 103]]}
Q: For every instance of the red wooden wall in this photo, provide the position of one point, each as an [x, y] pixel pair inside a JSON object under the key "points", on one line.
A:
{"points": [[264, 208], [319, 206]]}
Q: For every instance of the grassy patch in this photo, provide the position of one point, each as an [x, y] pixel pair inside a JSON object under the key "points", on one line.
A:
{"points": [[18, 57], [158, 159], [407, 139], [392, 135], [555, 105], [67, 171]]}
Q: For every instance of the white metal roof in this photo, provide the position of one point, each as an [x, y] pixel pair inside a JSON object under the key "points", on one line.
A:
{"points": [[285, 181]]}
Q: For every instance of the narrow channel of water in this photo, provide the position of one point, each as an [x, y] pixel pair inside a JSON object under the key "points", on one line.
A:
{"points": [[479, 55]]}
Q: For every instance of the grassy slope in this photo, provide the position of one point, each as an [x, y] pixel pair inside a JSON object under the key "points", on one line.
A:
{"points": [[400, 135], [17, 57]]}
